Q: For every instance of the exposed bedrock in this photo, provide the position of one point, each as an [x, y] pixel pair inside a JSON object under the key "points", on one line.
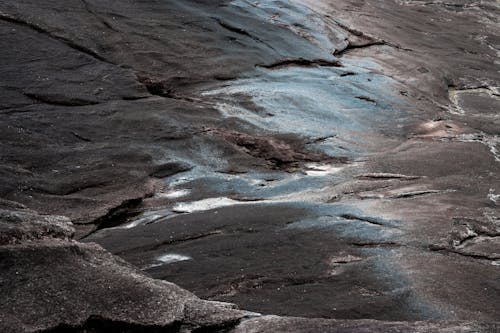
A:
{"points": [[51, 283], [300, 159]]}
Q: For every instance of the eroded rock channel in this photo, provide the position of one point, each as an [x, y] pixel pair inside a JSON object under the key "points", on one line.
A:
{"points": [[298, 160]]}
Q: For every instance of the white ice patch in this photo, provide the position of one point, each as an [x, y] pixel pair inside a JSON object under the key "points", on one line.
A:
{"points": [[317, 170]]}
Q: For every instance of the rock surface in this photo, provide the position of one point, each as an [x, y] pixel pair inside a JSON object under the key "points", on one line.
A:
{"points": [[58, 285], [303, 158], [302, 325]]}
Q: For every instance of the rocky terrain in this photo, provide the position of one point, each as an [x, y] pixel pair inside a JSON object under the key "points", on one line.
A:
{"points": [[327, 166]]}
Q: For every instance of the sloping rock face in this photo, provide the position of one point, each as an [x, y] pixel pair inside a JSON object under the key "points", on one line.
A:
{"points": [[94, 95], [53, 284], [320, 159]]}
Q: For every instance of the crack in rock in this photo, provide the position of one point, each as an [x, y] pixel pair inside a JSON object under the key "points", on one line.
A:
{"points": [[416, 193], [361, 40], [80, 48], [351, 46], [321, 139], [301, 62], [382, 175], [97, 16], [59, 100], [172, 241], [403, 195], [469, 234], [241, 31], [78, 136], [371, 220], [494, 256], [117, 215], [377, 244], [366, 99]]}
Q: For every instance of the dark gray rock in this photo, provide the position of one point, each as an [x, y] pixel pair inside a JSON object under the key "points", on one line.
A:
{"points": [[57, 284]]}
